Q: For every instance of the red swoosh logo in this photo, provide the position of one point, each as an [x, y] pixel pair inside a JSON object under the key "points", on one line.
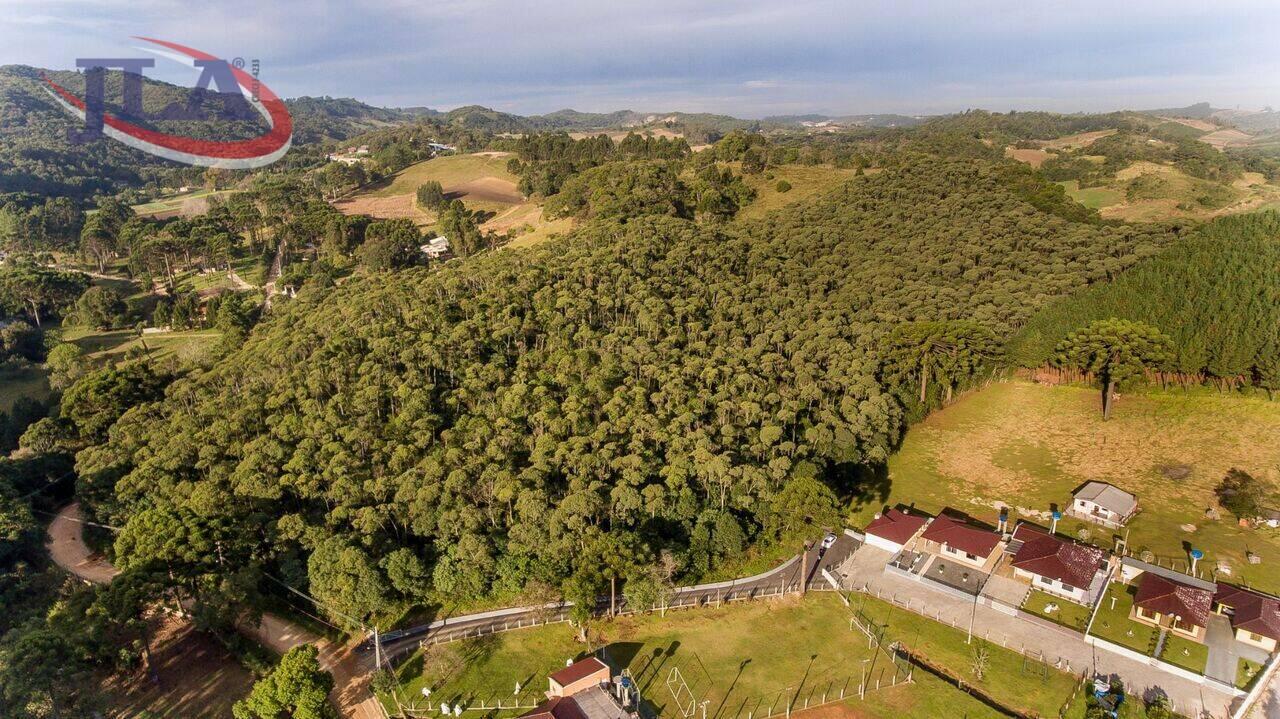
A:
{"points": [[255, 152]]}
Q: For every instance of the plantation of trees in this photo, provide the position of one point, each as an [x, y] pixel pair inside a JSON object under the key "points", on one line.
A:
{"points": [[633, 392], [1215, 294]]}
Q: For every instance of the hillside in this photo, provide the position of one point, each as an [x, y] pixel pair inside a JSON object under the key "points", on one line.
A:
{"points": [[1215, 293], [656, 379]]}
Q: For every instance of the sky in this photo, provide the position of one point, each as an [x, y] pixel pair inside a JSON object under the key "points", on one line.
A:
{"points": [[750, 58]]}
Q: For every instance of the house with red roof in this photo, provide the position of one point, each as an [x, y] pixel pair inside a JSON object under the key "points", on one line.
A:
{"points": [[956, 536], [585, 690], [894, 529], [1057, 565], [1255, 617], [1181, 607]]}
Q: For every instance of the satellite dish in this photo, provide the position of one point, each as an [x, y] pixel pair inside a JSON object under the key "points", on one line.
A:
{"points": [[1057, 514], [1197, 554]]}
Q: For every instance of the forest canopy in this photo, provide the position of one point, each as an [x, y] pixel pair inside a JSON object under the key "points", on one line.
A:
{"points": [[661, 386]]}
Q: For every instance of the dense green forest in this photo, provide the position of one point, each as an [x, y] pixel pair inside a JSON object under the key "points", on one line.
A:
{"points": [[1216, 294], [639, 389]]}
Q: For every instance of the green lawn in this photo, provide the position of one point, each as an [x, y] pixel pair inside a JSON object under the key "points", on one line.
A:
{"points": [[806, 181], [25, 381], [1030, 445], [1185, 653], [1246, 672], [1068, 614], [742, 659], [174, 203], [1094, 198], [1114, 625]]}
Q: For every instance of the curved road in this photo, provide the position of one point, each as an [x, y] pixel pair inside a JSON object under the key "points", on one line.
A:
{"points": [[350, 677]]}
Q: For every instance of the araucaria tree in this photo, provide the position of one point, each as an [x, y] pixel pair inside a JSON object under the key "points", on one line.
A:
{"points": [[1116, 352]]}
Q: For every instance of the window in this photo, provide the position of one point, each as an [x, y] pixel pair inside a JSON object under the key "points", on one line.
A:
{"points": [[1254, 637], [1068, 587], [1046, 580], [970, 557], [1148, 615], [1178, 623]]}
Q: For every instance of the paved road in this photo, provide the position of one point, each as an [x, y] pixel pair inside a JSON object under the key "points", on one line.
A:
{"points": [[1059, 647], [350, 675], [786, 577]]}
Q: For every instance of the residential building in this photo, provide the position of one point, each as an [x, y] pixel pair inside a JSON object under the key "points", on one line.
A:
{"points": [[1255, 617], [894, 529], [1181, 607], [1103, 504], [435, 248], [958, 537], [1056, 565], [585, 690], [578, 676]]}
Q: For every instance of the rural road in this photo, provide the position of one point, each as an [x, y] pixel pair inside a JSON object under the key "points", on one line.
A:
{"points": [[350, 677]]}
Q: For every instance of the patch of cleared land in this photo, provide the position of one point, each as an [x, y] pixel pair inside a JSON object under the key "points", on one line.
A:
{"points": [[1072, 142], [26, 381], [178, 204], [115, 344], [1030, 445], [743, 660], [1151, 192], [1228, 137], [805, 180], [618, 135], [480, 180], [198, 678], [1032, 157], [1092, 197]]}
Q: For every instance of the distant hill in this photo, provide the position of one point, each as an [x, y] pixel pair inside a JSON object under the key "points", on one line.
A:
{"points": [[882, 120]]}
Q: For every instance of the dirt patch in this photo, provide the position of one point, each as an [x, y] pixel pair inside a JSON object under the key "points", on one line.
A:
{"points": [[197, 676], [518, 215], [383, 208], [1202, 125], [486, 189], [1143, 168], [1072, 142], [1222, 139], [1035, 158]]}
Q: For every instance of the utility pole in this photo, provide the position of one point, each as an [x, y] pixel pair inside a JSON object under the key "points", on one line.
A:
{"points": [[377, 648]]}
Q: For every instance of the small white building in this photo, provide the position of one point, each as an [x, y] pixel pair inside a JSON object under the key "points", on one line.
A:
{"points": [[894, 529], [1103, 504], [435, 248]]}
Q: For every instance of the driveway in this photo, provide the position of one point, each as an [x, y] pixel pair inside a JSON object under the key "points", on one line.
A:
{"points": [[1060, 647]]}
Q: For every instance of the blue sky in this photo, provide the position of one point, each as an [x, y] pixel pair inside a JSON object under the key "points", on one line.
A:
{"points": [[749, 58]]}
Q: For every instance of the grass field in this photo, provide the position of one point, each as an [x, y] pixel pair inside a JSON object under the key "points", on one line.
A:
{"points": [[28, 381], [114, 344], [1092, 197], [1114, 624], [167, 206], [1068, 614], [1246, 672], [746, 659], [806, 181], [1185, 653], [1030, 445]]}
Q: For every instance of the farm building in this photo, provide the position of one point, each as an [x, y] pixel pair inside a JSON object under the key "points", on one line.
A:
{"points": [[1178, 605], [894, 529], [1103, 504], [585, 690], [960, 538], [1255, 617], [435, 248], [1057, 565]]}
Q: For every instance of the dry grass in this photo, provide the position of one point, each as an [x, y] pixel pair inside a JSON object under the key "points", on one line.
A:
{"points": [[1072, 142], [1030, 445], [806, 181], [1035, 158], [1230, 137]]}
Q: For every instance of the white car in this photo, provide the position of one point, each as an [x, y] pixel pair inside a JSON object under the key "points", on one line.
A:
{"points": [[828, 540]]}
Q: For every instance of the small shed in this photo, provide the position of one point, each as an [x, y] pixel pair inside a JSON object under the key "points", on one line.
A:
{"points": [[578, 676]]}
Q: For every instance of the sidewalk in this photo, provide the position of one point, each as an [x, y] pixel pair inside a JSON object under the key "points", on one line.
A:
{"points": [[1062, 648]]}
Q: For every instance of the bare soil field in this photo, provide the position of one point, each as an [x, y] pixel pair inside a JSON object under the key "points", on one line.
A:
{"points": [[1035, 158], [1071, 142], [1222, 139], [1202, 125], [384, 208], [485, 189], [198, 677]]}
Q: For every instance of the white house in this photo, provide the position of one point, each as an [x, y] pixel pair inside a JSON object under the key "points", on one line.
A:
{"points": [[894, 529], [435, 248], [1104, 504], [1056, 565]]}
